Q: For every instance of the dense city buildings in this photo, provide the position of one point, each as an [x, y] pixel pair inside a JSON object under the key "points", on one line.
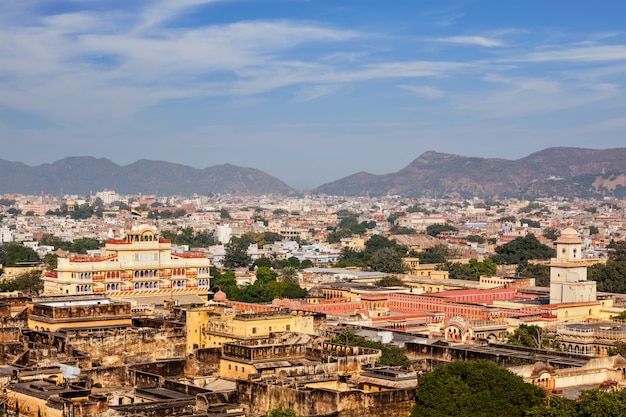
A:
{"points": [[230, 305]]}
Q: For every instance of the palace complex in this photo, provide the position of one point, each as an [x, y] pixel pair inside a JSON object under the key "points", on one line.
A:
{"points": [[139, 265]]}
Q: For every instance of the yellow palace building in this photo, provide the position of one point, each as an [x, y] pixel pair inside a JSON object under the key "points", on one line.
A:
{"points": [[139, 265]]}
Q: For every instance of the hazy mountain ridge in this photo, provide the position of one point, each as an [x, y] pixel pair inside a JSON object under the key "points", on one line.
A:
{"points": [[554, 171], [570, 172], [82, 175]]}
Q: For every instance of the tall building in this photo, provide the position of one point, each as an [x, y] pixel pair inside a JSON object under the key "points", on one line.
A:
{"points": [[141, 264], [568, 271]]}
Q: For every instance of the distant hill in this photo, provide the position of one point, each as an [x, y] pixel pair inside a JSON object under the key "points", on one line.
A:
{"points": [[82, 175], [572, 172]]}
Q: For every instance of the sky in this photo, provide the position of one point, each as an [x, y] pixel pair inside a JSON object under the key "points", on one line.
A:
{"points": [[308, 91]]}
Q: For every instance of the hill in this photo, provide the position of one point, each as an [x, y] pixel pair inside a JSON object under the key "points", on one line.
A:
{"points": [[572, 172], [82, 175]]}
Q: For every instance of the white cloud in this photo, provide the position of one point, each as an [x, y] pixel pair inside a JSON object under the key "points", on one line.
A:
{"points": [[471, 40], [423, 90], [599, 53]]}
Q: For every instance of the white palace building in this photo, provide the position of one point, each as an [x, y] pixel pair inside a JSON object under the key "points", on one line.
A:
{"points": [[139, 265]]}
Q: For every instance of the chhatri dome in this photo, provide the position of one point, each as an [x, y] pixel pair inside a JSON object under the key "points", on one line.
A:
{"points": [[569, 235], [220, 296]]}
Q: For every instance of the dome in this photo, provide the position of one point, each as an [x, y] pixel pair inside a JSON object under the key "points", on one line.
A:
{"points": [[220, 296], [569, 235]]}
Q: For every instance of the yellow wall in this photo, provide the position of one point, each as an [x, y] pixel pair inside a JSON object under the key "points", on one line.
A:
{"points": [[214, 326]]}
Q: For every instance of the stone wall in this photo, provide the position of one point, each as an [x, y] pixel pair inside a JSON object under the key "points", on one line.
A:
{"points": [[109, 376], [128, 347], [204, 362], [260, 397]]}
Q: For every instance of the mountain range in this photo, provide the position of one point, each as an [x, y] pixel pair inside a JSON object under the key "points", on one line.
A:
{"points": [[569, 172]]}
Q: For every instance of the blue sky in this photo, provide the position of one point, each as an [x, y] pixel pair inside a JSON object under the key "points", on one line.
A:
{"points": [[308, 91]]}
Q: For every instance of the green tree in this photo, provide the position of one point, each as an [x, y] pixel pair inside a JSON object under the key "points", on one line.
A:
{"points": [[378, 242], [437, 254], [390, 355], [27, 281], [530, 223], [389, 281], [82, 245], [236, 256], [289, 274], [474, 388], [593, 230], [540, 272], [263, 261], [528, 335], [551, 233], [224, 214], [436, 229], [14, 253], [522, 249], [387, 260], [50, 261]]}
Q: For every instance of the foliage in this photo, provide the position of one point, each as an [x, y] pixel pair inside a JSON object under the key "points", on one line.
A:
{"points": [[474, 388], [166, 214], [262, 261], [289, 274], [14, 253], [437, 254], [593, 230], [531, 207], [551, 233], [400, 230], [475, 238], [540, 272], [530, 336], [389, 281], [522, 249], [507, 219], [436, 229], [377, 242], [50, 261], [337, 235], [265, 288], [417, 209], [617, 251], [387, 260], [472, 270], [7, 202], [394, 216], [48, 239], [186, 236], [224, 214], [592, 403], [81, 211], [236, 255], [83, 244], [390, 355], [530, 222], [609, 276], [28, 281]]}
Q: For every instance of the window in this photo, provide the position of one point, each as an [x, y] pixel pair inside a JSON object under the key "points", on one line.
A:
{"points": [[288, 327], [254, 330]]}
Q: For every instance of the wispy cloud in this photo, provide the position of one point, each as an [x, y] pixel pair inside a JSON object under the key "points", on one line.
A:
{"points": [[471, 40], [598, 53], [423, 90]]}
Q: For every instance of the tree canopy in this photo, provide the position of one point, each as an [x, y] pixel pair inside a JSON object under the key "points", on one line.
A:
{"points": [[474, 388], [521, 250], [436, 229], [14, 253], [390, 355]]}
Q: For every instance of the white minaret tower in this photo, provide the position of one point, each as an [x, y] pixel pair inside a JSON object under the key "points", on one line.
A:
{"points": [[568, 271]]}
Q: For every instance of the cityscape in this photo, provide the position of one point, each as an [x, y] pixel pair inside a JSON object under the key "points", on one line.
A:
{"points": [[312, 305], [298, 208]]}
